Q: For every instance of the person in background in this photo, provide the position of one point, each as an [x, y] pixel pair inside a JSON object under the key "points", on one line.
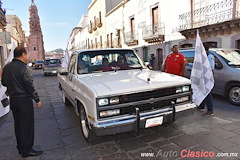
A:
{"points": [[175, 62], [208, 100], [16, 77], [152, 62]]}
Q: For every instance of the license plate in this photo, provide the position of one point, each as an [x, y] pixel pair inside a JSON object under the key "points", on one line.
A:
{"points": [[54, 71], [154, 122]]}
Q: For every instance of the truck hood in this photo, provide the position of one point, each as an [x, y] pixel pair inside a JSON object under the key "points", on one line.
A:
{"points": [[130, 81]]}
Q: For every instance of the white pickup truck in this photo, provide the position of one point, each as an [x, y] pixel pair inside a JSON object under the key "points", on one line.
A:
{"points": [[114, 92]]}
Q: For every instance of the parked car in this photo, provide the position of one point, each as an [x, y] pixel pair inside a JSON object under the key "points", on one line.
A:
{"points": [[51, 66], [38, 64], [226, 72], [124, 95]]}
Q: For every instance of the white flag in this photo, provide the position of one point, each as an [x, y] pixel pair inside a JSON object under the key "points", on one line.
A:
{"points": [[4, 107], [65, 59], [11, 56], [202, 80]]}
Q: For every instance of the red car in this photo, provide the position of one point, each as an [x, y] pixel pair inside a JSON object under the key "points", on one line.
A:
{"points": [[38, 64]]}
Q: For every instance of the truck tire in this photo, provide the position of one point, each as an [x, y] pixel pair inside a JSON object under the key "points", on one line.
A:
{"points": [[65, 100], [233, 93], [88, 134]]}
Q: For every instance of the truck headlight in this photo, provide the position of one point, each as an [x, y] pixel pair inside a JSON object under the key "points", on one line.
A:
{"points": [[103, 101], [179, 90], [114, 100], [109, 113], [185, 88], [182, 99], [182, 89]]}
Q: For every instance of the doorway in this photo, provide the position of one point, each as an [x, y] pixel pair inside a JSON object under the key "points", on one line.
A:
{"points": [[159, 59]]}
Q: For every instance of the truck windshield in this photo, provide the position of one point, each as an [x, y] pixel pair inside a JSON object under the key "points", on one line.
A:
{"points": [[107, 60], [53, 61], [231, 57]]}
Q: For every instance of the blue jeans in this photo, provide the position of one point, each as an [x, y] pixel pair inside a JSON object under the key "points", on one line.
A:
{"points": [[208, 102]]}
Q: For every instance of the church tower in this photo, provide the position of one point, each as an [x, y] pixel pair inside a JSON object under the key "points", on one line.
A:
{"points": [[35, 43]]}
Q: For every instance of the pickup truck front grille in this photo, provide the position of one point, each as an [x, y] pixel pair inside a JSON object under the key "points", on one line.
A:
{"points": [[146, 107], [147, 101], [147, 95]]}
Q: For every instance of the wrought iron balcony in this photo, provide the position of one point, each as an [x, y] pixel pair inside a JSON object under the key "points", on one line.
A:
{"points": [[154, 33], [99, 23], [94, 26], [90, 28], [212, 14], [131, 38]]}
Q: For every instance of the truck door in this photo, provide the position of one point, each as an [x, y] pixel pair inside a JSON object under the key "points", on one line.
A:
{"points": [[69, 85]]}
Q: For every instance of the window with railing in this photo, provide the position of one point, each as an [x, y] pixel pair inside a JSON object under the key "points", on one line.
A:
{"points": [[95, 24], [108, 40], [155, 20], [96, 42], [111, 40], [101, 42], [197, 5], [99, 20], [208, 14], [90, 27]]}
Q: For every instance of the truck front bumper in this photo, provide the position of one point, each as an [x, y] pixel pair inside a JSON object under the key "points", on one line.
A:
{"points": [[132, 123]]}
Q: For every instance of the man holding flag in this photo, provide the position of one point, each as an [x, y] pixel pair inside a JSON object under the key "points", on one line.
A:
{"points": [[202, 78]]}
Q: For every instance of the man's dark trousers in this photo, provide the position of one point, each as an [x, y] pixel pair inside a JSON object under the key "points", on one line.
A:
{"points": [[22, 109], [208, 102]]}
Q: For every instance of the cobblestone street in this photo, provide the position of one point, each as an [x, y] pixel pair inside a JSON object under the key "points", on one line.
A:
{"points": [[57, 133]]}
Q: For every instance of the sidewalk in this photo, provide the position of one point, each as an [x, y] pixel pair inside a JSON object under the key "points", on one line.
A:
{"points": [[57, 132]]}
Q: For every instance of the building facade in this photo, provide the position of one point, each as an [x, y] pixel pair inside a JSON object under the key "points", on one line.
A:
{"points": [[35, 44], [14, 27], [153, 27], [217, 21]]}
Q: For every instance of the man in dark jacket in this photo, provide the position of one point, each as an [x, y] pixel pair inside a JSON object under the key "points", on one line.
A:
{"points": [[20, 88]]}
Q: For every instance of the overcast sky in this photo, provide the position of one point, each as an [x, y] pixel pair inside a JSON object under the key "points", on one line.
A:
{"points": [[57, 18]]}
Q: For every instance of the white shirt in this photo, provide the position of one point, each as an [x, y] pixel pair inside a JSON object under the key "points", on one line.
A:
{"points": [[211, 61]]}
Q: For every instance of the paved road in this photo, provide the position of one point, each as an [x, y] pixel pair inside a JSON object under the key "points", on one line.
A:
{"points": [[57, 133]]}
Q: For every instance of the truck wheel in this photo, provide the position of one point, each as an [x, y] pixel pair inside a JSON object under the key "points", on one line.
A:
{"points": [[66, 100], [88, 134], [233, 94]]}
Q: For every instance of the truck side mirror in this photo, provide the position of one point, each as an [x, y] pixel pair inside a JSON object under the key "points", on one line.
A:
{"points": [[63, 71]]}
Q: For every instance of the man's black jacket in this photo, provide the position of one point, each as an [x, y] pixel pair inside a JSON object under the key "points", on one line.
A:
{"points": [[17, 79]]}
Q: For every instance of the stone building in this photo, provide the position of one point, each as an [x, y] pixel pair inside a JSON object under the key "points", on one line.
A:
{"points": [[14, 27], [35, 44]]}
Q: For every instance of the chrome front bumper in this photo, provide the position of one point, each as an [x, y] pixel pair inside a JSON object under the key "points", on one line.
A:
{"points": [[133, 122]]}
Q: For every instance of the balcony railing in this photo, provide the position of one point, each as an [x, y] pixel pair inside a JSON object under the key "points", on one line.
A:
{"points": [[154, 33], [90, 28], [212, 14], [94, 26], [99, 23], [131, 38]]}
